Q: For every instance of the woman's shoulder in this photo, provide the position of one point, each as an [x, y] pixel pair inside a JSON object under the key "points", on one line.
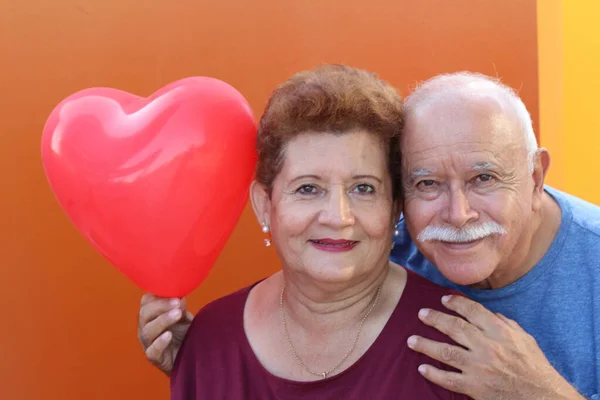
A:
{"points": [[420, 293], [221, 316], [426, 286]]}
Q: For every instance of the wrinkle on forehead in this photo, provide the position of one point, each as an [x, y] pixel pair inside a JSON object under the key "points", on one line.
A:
{"points": [[462, 124], [325, 154]]}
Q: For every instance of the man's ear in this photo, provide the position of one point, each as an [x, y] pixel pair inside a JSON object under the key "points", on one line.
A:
{"points": [[541, 165], [261, 203], [540, 168]]}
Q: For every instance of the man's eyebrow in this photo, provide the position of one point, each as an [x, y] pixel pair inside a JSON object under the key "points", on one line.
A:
{"points": [[419, 172], [483, 165]]}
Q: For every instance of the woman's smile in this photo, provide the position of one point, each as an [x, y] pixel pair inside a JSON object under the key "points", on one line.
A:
{"points": [[334, 245]]}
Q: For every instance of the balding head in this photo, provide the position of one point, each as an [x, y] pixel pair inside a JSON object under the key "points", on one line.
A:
{"points": [[462, 89]]}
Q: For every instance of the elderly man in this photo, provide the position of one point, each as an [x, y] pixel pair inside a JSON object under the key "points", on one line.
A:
{"points": [[482, 222]]}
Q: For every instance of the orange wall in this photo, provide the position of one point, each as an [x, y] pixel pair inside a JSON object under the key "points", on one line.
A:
{"points": [[551, 88], [568, 39], [581, 87], [69, 317]]}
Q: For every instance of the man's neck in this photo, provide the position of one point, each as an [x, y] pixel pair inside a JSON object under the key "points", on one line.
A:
{"points": [[547, 224]]}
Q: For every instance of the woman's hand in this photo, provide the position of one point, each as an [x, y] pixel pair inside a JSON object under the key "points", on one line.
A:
{"points": [[162, 325]]}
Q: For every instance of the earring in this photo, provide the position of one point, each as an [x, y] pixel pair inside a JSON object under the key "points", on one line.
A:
{"points": [[396, 234], [265, 229]]}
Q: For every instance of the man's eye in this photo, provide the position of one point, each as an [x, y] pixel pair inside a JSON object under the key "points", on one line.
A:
{"points": [[426, 183], [307, 189], [364, 188], [484, 178]]}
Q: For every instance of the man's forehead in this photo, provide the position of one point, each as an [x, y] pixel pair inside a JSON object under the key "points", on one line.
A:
{"points": [[461, 157], [460, 129]]}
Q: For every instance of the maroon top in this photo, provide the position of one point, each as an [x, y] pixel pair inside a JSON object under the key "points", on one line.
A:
{"points": [[216, 361]]}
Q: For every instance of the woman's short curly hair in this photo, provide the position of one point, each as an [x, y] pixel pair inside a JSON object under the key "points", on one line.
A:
{"points": [[329, 99]]}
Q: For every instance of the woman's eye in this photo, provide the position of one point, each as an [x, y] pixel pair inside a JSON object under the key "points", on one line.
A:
{"points": [[307, 189], [364, 188]]}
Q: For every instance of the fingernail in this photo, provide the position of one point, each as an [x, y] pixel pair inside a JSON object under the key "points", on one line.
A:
{"points": [[174, 302], [166, 336], [412, 341], [424, 312], [422, 369], [175, 314], [446, 298]]}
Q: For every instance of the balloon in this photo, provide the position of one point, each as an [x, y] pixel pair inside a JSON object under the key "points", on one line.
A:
{"points": [[155, 184]]}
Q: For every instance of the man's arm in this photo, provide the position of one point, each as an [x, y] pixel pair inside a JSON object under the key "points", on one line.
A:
{"points": [[162, 325], [497, 360]]}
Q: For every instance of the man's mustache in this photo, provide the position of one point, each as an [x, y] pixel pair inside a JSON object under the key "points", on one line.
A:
{"points": [[469, 233]]}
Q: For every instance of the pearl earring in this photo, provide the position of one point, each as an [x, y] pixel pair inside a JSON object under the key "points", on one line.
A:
{"points": [[265, 229]]}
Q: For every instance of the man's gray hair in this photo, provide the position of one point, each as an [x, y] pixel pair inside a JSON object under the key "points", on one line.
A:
{"points": [[471, 82]]}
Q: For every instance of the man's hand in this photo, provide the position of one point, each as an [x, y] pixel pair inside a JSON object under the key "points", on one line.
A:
{"points": [[498, 360], [162, 325]]}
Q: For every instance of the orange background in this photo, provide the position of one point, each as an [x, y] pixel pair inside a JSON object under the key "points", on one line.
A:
{"points": [[569, 60], [69, 317]]}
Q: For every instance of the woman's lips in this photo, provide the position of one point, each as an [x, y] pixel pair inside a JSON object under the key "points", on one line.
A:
{"points": [[333, 245]]}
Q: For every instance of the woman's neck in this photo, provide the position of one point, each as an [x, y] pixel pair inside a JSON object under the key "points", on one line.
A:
{"points": [[321, 325], [323, 308]]}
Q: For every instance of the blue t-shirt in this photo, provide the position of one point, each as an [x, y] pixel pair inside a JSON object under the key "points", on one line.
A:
{"points": [[557, 302]]}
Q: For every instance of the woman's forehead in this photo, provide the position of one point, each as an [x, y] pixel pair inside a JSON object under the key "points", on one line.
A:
{"points": [[329, 152]]}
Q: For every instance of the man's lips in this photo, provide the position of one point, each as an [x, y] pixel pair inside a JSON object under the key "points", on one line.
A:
{"points": [[461, 245]]}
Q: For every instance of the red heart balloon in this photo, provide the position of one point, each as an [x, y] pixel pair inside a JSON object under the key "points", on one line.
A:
{"points": [[155, 184]]}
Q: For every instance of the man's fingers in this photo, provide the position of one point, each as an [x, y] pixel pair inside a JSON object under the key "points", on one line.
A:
{"points": [[156, 351], [147, 298], [458, 329], [157, 327], [453, 356], [509, 321], [189, 316], [156, 307], [452, 381], [474, 312]]}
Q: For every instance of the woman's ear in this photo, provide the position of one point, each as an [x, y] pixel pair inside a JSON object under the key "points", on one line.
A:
{"points": [[261, 203], [397, 210]]}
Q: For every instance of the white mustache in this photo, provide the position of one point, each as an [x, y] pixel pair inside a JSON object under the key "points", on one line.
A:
{"points": [[467, 234]]}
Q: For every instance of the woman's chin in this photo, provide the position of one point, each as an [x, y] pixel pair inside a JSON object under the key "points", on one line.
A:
{"points": [[332, 274]]}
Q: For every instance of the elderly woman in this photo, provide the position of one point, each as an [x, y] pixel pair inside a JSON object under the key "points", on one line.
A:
{"points": [[334, 322]]}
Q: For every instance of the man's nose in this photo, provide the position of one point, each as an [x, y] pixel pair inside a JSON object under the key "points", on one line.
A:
{"points": [[458, 211]]}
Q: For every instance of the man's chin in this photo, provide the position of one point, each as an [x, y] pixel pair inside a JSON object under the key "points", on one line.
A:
{"points": [[464, 264], [465, 273]]}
